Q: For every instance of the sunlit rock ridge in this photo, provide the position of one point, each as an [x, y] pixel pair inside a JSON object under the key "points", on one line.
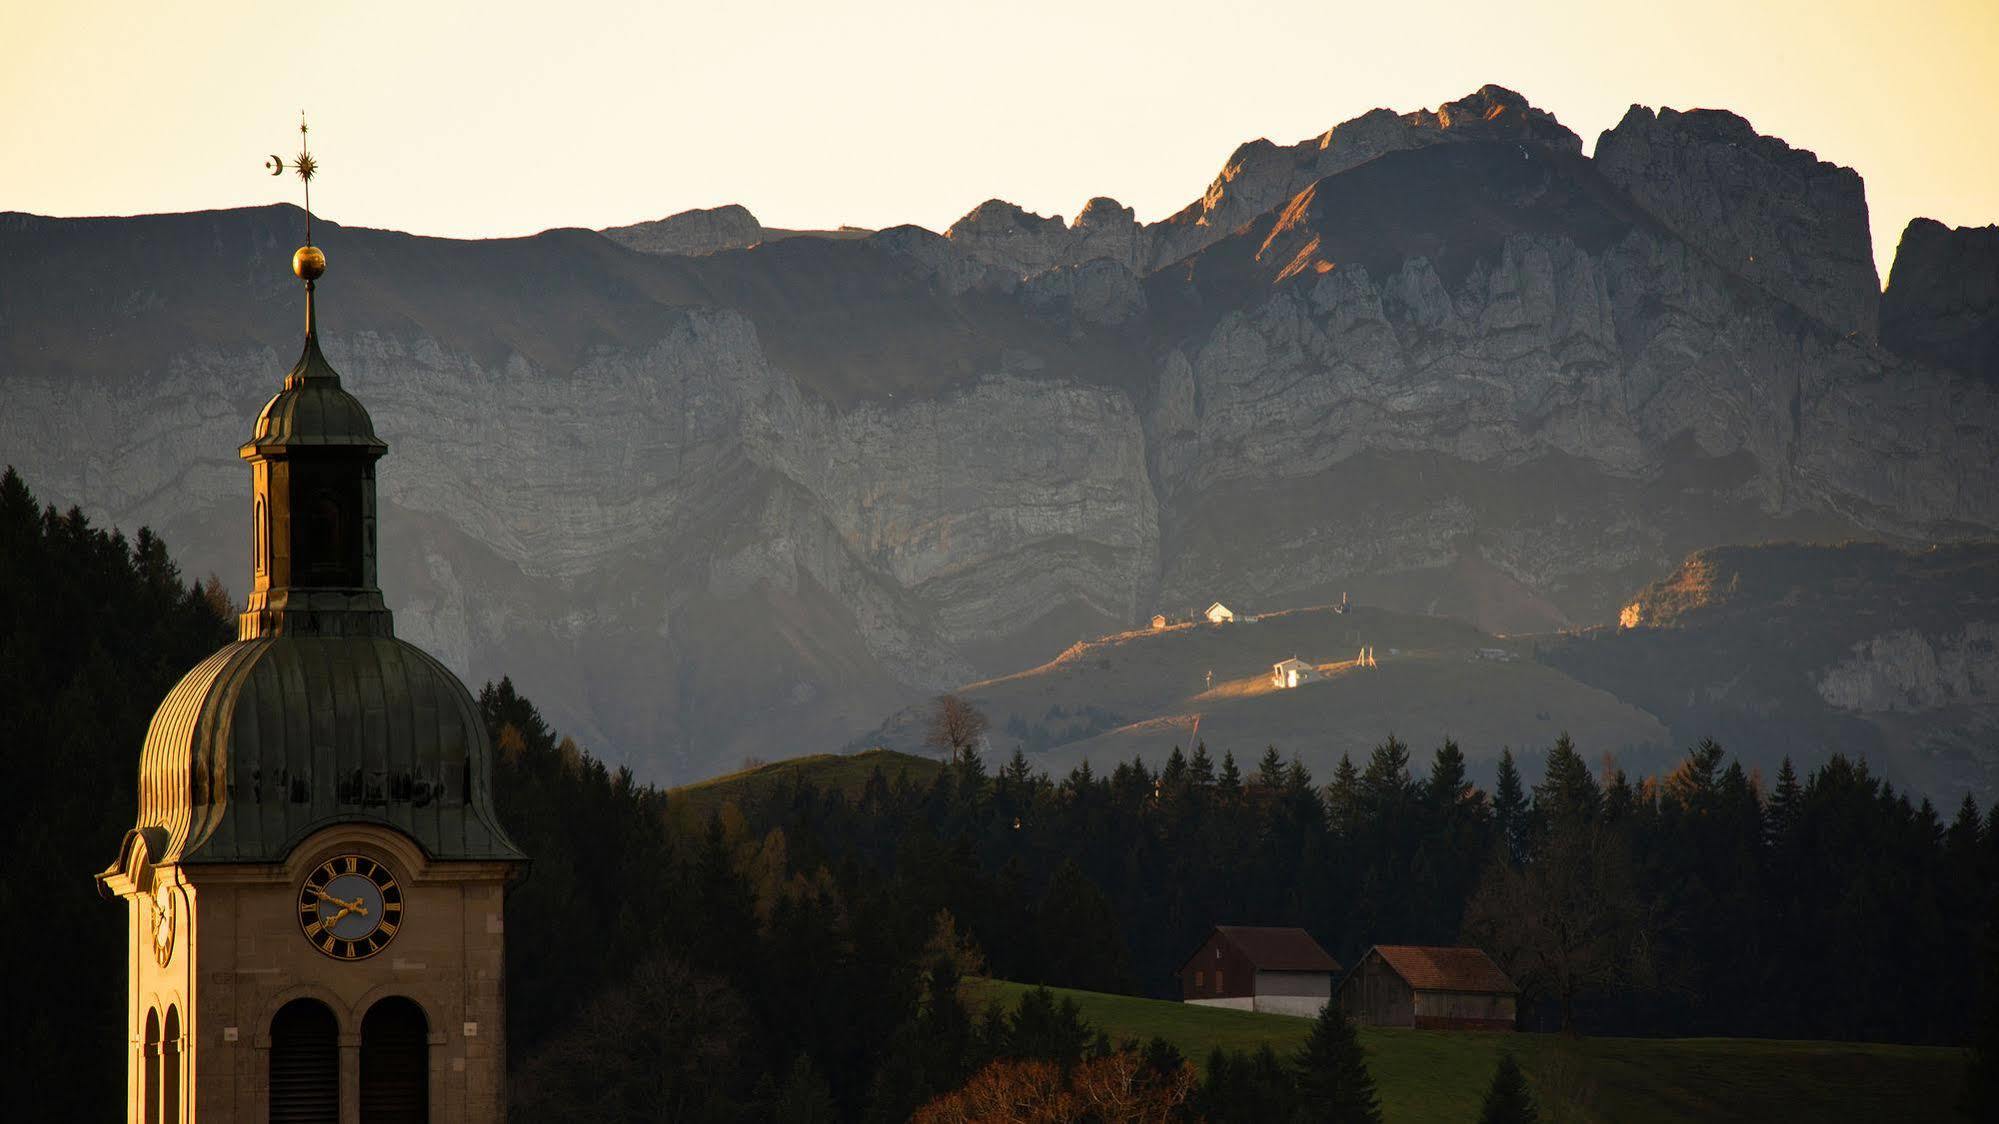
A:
{"points": [[708, 492]]}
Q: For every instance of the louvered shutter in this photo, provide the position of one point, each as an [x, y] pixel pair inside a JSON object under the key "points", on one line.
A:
{"points": [[305, 1065]]}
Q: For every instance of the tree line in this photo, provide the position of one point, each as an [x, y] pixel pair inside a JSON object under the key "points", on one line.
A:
{"points": [[1705, 901]]}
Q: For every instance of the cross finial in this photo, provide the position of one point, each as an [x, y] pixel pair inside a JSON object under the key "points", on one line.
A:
{"points": [[304, 165]]}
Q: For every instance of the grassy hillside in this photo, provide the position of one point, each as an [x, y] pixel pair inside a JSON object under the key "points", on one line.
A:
{"points": [[1434, 1075], [1143, 692], [847, 772]]}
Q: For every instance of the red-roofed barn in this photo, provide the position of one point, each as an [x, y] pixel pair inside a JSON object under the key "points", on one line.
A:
{"points": [[1429, 989], [1253, 968]]}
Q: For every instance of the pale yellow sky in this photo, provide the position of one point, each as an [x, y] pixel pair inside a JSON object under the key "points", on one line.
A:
{"points": [[503, 117]]}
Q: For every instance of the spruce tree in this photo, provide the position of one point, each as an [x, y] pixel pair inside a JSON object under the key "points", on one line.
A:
{"points": [[1447, 782], [1506, 1100], [1784, 801], [1334, 1086], [1270, 770], [1297, 778], [1231, 781], [1343, 798], [1018, 773], [1961, 840], [1201, 767], [1509, 808], [1567, 796], [1385, 781]]}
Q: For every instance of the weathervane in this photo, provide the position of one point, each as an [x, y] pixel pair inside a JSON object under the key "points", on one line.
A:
{"points": [[308, 263], [304, 165]]}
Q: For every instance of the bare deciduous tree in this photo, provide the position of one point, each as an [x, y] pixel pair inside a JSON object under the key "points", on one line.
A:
{"points": [[956, 727], [1568, 922]]}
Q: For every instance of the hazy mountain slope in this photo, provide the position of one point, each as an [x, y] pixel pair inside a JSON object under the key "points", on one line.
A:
{"points": [[1790, 649], [598, 480], [748, 501]]}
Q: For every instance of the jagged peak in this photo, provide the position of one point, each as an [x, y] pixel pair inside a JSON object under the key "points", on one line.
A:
{"points": [[1102, 210], [1718, 126], [1260, 175], [1489, 111], [998, 213], [1496, 109]]}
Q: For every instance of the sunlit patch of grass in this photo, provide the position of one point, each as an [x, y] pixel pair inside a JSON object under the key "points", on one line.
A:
{"points": [[1426, 1075]]}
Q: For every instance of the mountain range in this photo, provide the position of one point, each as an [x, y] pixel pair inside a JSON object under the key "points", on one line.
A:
{"points": [[709, 490]]}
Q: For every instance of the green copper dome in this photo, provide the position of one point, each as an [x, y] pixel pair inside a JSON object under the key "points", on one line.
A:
{"points": [[271, 739]]}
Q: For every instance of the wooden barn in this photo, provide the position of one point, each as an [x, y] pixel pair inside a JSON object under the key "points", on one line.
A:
{"points": [[1429, 989], [1252, 968]]}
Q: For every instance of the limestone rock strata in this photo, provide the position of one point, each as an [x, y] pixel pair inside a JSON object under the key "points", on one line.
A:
{"points": [[1777, 215], [1908, 671]]}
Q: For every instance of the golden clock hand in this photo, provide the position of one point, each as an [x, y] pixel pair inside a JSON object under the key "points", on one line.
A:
{"points": [[354, 906]]}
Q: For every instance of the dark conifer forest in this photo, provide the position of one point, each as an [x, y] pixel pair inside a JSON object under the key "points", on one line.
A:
{"points": [[800, 957]]}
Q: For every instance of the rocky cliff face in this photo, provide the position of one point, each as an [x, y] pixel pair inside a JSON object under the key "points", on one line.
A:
{"points": [[1942, 303], [1907, 671], [749, 501], [1776, 215]]}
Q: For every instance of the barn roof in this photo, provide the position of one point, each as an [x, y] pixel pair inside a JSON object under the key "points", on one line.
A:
{"points": [[1446, 969], [1276, 949]]}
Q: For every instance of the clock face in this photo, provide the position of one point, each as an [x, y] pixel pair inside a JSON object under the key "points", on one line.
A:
{"points": [[350, 907], [164, 916]]}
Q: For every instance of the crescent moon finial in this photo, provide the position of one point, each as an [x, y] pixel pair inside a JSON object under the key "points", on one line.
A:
{"points": [[308, 263]]}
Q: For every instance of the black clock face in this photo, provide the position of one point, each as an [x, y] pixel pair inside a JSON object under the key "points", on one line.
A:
{"points": [[350, 907]]}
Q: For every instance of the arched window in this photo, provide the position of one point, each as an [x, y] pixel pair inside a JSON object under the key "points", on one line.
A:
{"points": [[305, 1064], [395, 1063], [149, 1085], [259, 541], [170, 1068]]}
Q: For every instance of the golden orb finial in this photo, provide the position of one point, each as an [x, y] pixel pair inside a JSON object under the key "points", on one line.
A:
{"points": [[309, 263]]}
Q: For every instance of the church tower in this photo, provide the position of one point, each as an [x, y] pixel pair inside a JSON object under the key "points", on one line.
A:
{"points": [[316, 880]]}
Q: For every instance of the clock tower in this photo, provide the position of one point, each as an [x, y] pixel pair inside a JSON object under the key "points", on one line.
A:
{"points": [[316, 879]]}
